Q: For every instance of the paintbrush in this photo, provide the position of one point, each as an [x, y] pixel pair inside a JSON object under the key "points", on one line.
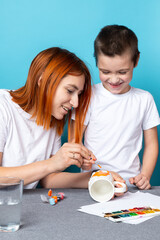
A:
{"points": [[96, 163]]}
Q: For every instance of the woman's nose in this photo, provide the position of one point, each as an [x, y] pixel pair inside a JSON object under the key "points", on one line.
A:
{"points": [[74, 101]]}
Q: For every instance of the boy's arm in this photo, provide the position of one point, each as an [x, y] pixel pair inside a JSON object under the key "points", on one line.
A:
{"points": [[142, 181]]}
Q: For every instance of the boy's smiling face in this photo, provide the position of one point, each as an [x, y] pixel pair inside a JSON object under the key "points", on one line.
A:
{"points": [[116, 72]]}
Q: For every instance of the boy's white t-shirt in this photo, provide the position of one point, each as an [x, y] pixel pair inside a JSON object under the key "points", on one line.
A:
{"points": [[22, 141], [115, 124]]}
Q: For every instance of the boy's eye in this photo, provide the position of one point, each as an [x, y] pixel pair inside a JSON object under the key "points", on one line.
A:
{"points": [[122, 73], [105, 72]]}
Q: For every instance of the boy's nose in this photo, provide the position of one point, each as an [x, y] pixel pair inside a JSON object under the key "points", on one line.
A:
{"points": [[114, 79], [74, 101]]}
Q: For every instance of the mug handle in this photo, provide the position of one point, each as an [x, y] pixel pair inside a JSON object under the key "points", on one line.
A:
{"points": [[119, 189]]}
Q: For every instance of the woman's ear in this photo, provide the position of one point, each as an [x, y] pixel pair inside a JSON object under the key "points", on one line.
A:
{"points": [[137, 60]]}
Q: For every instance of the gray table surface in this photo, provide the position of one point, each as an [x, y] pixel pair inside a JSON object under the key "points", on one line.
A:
{"points": [[63, 221]]}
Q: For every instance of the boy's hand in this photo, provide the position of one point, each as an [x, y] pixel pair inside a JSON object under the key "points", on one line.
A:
{"points": [[87, 164], [117, 177], [141, 181]]}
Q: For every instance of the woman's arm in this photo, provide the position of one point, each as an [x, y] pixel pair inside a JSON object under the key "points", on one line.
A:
{"points": [[66, 180], [68, 154], [73, 180], [30, 172]]}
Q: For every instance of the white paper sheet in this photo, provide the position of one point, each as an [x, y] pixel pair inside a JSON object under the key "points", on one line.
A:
{"points": [[127, 201]]}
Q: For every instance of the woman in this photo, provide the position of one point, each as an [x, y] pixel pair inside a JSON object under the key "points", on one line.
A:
{"points": [[33, 117], [32, 120]]}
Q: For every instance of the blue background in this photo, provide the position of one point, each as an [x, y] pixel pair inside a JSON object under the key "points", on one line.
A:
{"points": [[30, 26]]}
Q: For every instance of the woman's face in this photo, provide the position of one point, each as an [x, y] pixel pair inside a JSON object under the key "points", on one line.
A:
{"points": [[67, 95]]}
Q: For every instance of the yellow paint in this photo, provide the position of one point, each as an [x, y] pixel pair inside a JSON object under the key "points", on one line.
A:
{"points": [[156, 210]]}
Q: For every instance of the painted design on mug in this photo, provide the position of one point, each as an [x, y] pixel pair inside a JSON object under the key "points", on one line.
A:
{"points": [[102, 186], [101, 173]]}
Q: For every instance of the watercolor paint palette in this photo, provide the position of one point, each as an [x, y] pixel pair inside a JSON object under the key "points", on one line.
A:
{"points": [[130, 214]]}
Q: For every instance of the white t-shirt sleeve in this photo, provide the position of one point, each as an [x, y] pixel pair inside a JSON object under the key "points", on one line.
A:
{"points": [[86, 121], [3, 127], [89, 111], [87, 118], [151, 117], [56, 144]]}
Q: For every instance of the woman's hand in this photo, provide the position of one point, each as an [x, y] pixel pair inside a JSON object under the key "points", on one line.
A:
{"points": [[70, 154], [87, 163]]}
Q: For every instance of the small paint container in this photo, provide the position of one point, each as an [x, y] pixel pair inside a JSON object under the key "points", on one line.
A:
{"points": [[52, 201]]}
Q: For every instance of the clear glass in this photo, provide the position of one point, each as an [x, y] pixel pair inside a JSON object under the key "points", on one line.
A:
{"points": [[11, 191]]}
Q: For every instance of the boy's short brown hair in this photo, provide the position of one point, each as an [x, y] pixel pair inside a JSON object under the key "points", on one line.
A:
{"points": [[115, 40]]}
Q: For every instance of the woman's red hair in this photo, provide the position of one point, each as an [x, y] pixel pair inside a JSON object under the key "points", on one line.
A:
{"points": [[51, 65]]}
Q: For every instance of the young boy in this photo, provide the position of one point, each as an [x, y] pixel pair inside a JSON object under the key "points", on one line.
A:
{"points": [[119, 115]]}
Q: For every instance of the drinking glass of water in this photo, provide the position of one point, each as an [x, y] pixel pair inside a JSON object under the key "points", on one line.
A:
{"points": [[11, 191]]}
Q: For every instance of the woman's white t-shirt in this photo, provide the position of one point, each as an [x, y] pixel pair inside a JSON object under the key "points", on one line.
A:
{"points": [[22, 141]]}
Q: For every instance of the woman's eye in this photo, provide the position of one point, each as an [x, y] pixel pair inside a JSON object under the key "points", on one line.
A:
{"points": [[69, 91]]}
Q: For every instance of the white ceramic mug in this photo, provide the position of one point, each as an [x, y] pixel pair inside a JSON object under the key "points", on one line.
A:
{"points": [[102, 187]]}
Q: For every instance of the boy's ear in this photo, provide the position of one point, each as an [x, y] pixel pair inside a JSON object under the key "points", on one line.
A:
{"points": [[137, 60]]}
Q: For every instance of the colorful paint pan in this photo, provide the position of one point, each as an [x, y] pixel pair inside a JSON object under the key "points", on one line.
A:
{"points": [[129, 214]]}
